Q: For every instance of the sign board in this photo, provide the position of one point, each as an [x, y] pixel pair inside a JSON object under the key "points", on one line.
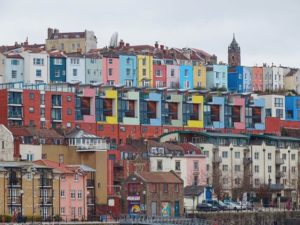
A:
{"points": [[111, 202], [133, 198]]}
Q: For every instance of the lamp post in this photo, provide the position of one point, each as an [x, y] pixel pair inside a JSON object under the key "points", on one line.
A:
{"points": [[33, 172], [269, 185]]}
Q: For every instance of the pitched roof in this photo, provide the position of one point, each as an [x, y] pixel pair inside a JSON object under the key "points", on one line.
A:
{"points": [[55, 165], [78, 133], [13, 56], [57, 54], [188, 147], [159, 177], [292, 72], [66, 35], [193, 190], [33, 131]]}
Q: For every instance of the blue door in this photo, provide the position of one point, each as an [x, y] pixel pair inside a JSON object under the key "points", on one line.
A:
{"points": [[176, 209], [208, 193]]}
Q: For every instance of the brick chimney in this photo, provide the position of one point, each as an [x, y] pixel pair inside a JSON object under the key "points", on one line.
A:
{"points": [[50, 32], [127, 44], [156, 45], [162, 47], [121, 43]]}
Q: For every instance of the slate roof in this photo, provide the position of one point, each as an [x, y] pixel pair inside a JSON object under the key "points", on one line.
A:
{"points": [[193, 190], [78, 133], [55, 165], [32, 131]]}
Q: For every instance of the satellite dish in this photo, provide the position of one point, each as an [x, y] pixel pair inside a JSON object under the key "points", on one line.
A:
{"points": [[114, 40]]}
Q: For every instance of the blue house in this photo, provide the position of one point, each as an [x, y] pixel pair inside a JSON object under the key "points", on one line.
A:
{"points": [[128, 75], [57, 67], [186, 80], [292, 108], [240, 79], [216, 76]]}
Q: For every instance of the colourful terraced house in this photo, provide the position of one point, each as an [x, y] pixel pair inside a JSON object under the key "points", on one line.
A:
{"points": [[199, 76], [107, 106], [172, 109], [192, 111], [128, 73], [144, 70]]}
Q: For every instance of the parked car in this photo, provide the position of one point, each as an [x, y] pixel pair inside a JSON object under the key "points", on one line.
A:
{"points": [[232, 205], [206, 207], [220, 205], [246, 205]]}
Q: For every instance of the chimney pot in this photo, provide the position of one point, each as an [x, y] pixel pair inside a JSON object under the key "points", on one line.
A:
{"points": [[156, 45], [162, 47]]}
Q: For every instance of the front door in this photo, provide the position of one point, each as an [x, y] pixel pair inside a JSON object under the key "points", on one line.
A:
{"points": [[176, 209], [153, 208]]}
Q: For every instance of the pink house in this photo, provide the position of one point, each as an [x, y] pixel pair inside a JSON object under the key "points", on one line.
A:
{"points": [[159, 76], [173, 76], [257, 78], [110, 69], [73, 190], [238, 111]]}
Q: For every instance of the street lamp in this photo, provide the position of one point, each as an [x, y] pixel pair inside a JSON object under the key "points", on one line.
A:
{"points": [[33, 172], [269, 185]]}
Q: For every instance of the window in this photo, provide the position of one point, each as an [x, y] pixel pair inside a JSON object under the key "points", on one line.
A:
{"points": [[237, 168], [256, 182], [225, 181], [279, 113], [31, 109], [186, 72], [29, 157], [199, 73], [144, 61], [2, 144], [237, 155], [166, 188], [79, 211], [284, 156], [73, 194], [69, 98], [237, 181], [15, 62], [38, 61], [173, 74], [61, 158], [177, 166], [57, 61], [206, 153], [195, 182], [79, 194], [196, 166], [269, 169], [74, 72], [110, 61], [110, 72], [256, 155], [144, 72], [298, 103], [224, 154], [76, 177], [57, 72], [127, 72], [269, 156], [176, 187], [31, 96], [158, 73], [62, 210], [293, 169], [38, 73], [256, 169], [207, 167], [62, 193], [278, 102], [187, 84], [128, 60], [13, 74], [159, 165], [284, 169], [293, 156], [225, 167], [73, 211], [69, 111], [128, 83]]}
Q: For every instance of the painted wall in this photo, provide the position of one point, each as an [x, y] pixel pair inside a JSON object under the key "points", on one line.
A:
{"points": [[110, 64], [199, 76], [257, 78], [144, 70], [93, 70], [58, 70], [247, 79], [128, 73], [9, 67], [235, 79], [173, 74], [159, 76], [186, 80], [80, 68], [292, 108], [216, 76]]}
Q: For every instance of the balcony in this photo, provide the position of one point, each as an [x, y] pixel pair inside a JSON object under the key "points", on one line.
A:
{"points": [[15, 115], [217, 159], [15, 101], [14, 183], [279, 174], [90, 183], [247, 161], [45, 201], [90, 200], [45, 183], [14, 200], [279, 161]]}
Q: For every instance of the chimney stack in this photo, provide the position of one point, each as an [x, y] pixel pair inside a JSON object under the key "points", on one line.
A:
{"points": [[50, 32], [127, 44], [156, 45], [121, 43], [162, 47]]}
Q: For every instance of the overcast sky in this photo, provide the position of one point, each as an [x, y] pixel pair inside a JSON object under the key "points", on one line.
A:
{"points": [[267, 30]]}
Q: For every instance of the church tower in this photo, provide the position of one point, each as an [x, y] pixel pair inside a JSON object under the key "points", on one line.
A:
{"points": [[234, 53]]}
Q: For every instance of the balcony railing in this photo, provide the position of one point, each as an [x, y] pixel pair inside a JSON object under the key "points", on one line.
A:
{"points": [[279, 161], [46, 182], [45, 201], [14, 200], [90, 183], [279, 174], [15, 115]]}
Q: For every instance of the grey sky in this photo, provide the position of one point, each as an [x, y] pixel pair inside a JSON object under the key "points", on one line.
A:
{"points": [[267, 31]]}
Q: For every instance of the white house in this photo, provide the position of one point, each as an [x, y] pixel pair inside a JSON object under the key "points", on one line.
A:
{"points": [[6, 144], [76, 67], [274, 105]]}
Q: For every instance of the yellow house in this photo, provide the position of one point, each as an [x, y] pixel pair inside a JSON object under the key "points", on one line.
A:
{"points": [[199, 76], [196, 121], [144, 70], [109, 110]]}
